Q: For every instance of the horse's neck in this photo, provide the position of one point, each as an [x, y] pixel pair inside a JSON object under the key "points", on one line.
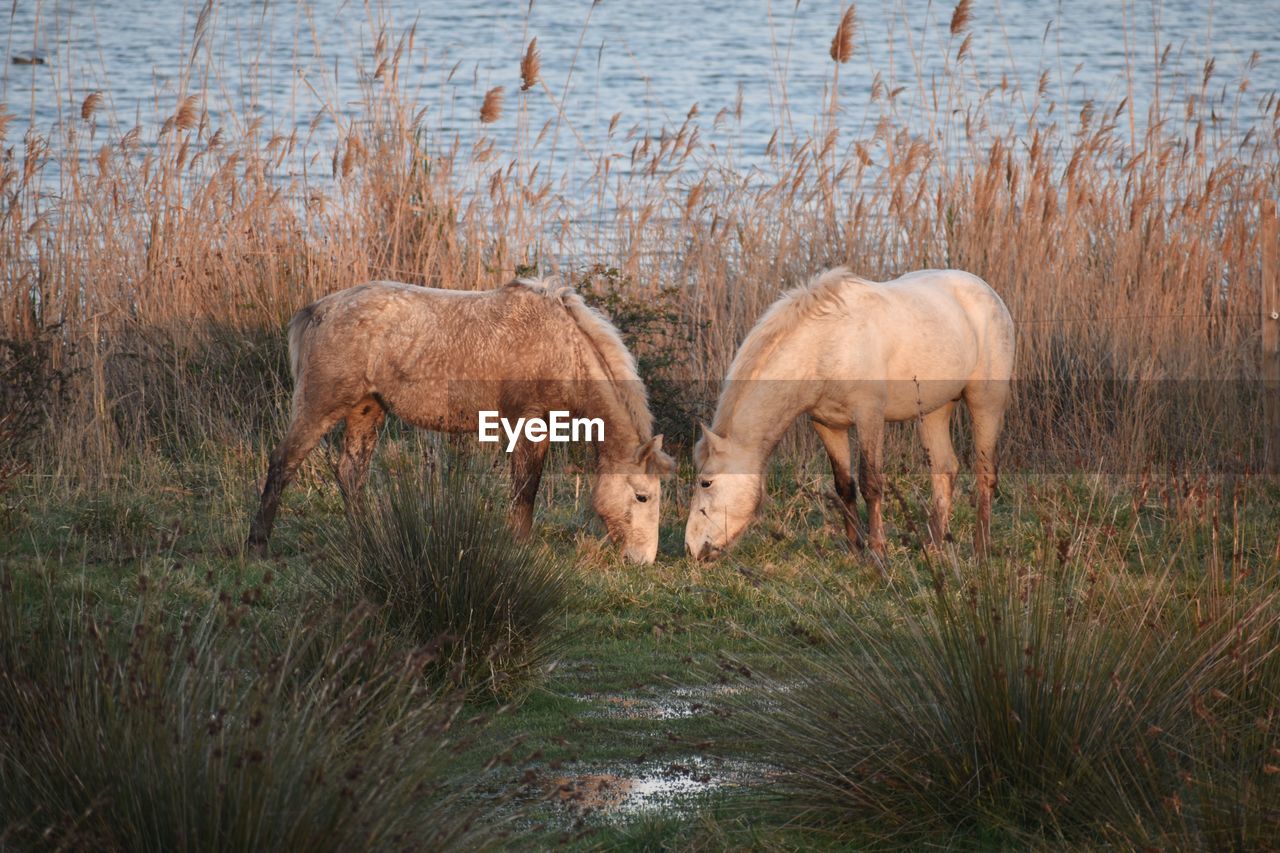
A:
{"points": [[598, 399], [757, 408]]}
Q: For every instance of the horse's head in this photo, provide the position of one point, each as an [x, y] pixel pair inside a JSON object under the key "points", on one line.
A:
{"points": [[628, 495], [726, 494]]}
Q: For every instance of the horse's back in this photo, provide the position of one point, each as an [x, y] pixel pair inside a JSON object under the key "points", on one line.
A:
{"points": [[391, 318], [954, 318], [420, 350], [394, 300], [914, 343]]}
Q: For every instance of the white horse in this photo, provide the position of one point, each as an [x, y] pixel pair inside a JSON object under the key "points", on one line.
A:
{"points": [[850, 352]]}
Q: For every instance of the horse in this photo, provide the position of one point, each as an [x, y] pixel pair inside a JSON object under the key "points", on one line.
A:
{"points": [[437, 358], [852, 352]]}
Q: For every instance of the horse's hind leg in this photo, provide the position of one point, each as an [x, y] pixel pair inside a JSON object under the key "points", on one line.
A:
{"points": [[526, 476], [361, 437], [304, 434], [987, 401], [935, 435], [836, 441]]}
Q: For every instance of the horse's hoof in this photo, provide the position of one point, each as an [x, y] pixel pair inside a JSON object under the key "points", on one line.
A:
{"points": [[257, 550]]}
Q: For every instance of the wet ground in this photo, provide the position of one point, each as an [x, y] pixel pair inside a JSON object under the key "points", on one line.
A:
{"points": [[670, 786], [672, 776]]}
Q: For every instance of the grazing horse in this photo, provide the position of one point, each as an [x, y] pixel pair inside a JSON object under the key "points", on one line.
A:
{"points": [[850, 352], [436, 358]]}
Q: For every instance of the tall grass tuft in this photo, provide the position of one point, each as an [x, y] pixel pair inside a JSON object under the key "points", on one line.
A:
{"points": [[433, 550], [1034, 708], [215, 732]]}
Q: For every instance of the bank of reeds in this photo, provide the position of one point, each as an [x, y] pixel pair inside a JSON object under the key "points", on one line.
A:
{"points": [[1127, 239]]}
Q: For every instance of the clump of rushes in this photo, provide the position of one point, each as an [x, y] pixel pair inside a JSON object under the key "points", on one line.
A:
{"points": [[215, 733], [432, 549], [1030, 708]]}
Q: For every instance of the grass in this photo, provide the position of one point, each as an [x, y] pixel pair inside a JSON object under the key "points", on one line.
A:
{"points": [[433, 550], [661, 667], [213, 729], [142, 364], [1048, 706]]}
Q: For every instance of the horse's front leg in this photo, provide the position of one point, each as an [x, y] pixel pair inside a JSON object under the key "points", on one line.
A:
{"points": [[836, 441], [526, 476], [871, 478]]}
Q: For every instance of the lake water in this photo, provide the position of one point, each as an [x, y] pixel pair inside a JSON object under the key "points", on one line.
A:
{"points": [[649, 61]]}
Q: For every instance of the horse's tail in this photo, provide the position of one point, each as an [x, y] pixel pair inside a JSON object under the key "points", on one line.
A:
{"points": [[298, 327]]}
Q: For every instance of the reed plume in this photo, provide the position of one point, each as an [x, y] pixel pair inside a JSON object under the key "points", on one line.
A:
{"points": [[961, 17], [491, 109], [90, 105], [842, 42], [188, 114], [530, 66]]}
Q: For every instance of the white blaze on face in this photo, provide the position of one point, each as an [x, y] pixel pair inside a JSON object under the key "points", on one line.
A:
{"points": [[725, 497]]}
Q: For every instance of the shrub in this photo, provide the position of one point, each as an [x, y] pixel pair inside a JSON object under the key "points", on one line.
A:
{"points": [[433, 550], [1034, 708], [218, 734], [659, 330]]}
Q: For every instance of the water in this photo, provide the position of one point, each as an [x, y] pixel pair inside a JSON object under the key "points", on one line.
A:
{"points": [[765, 63]]}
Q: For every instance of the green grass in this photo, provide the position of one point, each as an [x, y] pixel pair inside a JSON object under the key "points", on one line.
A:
{"points": [[211, 728], [432, 551], [658, 662]]}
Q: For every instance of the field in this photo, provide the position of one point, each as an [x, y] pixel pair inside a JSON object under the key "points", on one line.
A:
{"points": [[1106, 679]]}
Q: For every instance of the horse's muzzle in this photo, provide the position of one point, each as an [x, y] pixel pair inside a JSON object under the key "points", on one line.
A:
{"points": [[637, 556], [705, 554]]}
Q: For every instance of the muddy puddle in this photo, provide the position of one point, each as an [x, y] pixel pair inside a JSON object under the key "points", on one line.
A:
{"points": [[675, 704], [595, 792], [667, 786]]}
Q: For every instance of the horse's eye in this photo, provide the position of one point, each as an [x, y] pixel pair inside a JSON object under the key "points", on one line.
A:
{"points": [[706, 484], [642, 498]]}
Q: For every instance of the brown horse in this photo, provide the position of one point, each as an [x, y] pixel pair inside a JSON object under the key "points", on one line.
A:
{"points": [[437, 358]]}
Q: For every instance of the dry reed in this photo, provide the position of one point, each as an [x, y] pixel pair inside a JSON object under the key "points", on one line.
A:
{"points": [[530, 66], [842, 41], [90, 105], [491, 108], [1129, 254], [961, 17]]}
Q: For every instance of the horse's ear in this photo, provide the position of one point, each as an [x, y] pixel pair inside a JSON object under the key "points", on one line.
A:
{"points": [[660, 462], [655, 461], [711, 442]]}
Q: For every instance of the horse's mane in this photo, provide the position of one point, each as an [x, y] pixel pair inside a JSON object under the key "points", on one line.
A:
{"points": [[602, 339], [821, 295]]}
